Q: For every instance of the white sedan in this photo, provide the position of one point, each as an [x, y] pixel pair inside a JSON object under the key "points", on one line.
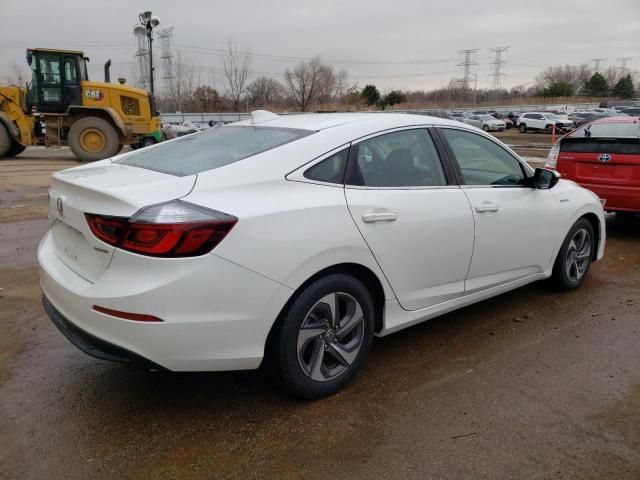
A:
{"points": [[486, 122], [294, 240]]}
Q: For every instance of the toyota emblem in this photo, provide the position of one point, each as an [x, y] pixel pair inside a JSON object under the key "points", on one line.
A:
{"points": [[604, 157], [60, 206]]}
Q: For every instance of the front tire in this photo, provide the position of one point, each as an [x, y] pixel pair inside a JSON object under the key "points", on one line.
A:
{"points": [[324, 336], [15, 149], [574, 258], [486, 128], [523, 128], [93, 138], [5, 142]]}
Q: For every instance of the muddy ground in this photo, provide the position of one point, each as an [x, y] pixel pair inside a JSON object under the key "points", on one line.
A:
{"points": [[532, 384]]}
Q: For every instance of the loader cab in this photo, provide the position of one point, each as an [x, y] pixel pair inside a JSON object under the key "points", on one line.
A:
{"points": [[57, 79]]}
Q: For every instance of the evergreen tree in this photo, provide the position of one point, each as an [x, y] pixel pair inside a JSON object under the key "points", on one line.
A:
{"points": [[596, 86], [624, 88]]}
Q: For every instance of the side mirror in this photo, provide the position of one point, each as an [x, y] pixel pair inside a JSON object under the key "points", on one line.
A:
{"points": [[543, 179]]}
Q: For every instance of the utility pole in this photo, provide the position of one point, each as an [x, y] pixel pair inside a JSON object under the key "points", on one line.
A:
{"points": [[167, 59], [596, 63], [467, 65], [497, 65], [145, 28]]}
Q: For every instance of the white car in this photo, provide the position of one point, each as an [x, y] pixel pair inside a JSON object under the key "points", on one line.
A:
{"points": [[294, 240], [487, 123], [543, 121]]}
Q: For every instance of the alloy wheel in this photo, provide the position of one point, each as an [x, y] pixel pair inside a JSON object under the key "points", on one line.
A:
{"points": [[578, 255], [330, 337]]}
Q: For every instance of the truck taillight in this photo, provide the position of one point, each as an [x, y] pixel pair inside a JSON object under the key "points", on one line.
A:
{"points": [[172, 229], [552, 158]]}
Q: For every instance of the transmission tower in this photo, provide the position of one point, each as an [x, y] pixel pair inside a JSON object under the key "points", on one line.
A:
{"points": [[167, 58], [497, 65], [142, 55], [596, 63], [467, 65], [623, 62]]}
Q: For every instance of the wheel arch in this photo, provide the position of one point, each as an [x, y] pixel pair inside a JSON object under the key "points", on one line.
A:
{"points": [[593, 219], [106, 113], [364, 274]]}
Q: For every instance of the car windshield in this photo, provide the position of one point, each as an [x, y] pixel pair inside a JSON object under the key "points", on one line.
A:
{"points": [[486, 117], [552, 116], [211, 149], [610, 130]]}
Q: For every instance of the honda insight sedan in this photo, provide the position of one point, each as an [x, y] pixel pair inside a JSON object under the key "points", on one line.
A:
{"points": [[291, 241]]}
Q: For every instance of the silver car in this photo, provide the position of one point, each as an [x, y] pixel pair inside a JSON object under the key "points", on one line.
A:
{"points": [[486, 123]]}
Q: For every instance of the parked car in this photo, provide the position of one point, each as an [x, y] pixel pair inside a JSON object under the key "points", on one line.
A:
{"points": [[543, 121], [459, 116], [294, 240], [634, 111], [603, 156], [486, 123], [588, 119], [508, 122]]}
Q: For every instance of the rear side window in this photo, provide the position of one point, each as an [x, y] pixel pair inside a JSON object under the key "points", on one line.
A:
{"points": [[329, 170], [212, 148], [482, 161], [407, 158]]}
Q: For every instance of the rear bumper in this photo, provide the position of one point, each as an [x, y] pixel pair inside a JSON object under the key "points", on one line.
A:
{"points": [[618, 198], [216, 314], [92, 345]]}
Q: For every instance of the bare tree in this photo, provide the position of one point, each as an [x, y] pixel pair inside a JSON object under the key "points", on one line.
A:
{"points": [[308, 81], [574, 75], [264, 91], [16, 75], [235, 62], [181, 83]]}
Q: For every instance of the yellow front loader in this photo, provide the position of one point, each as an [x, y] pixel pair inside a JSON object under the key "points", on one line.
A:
{"points": [[62, 107]]}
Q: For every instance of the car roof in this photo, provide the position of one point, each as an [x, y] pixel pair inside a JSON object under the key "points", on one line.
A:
{"points": [[323, 121], [617, 119]]}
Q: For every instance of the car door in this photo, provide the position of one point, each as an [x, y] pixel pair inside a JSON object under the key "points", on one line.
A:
{"points": [[515, 225], [476, 121], [414, 217]]}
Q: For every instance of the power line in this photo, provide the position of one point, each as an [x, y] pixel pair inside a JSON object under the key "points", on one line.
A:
{"points": [[497, 65]]}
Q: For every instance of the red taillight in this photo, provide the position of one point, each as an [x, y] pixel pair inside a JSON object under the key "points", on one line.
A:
{"points": [[137, 317], [174, 229]]}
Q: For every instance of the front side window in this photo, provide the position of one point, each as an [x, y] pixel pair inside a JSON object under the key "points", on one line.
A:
{"points": [[482, 161], [329, 170], [400, 159], [50, 78], [211, 149]]}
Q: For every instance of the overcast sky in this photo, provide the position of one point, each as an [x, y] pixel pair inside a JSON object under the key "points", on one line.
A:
{"points": [[393, 44]]}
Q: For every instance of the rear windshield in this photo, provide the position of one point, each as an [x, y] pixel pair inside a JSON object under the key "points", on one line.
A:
{"points": [[211, 149], [623, 146], [609, 130]]}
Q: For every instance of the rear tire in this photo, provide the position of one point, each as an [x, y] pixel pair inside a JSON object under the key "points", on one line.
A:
{"points": [[5, 142], [523, 128], [311, 354], [147, 142], [574, 258], [93, 138]]}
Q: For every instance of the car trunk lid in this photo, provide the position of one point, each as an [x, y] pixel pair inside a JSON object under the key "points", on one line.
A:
{"points": [[107, 189], [605, 161]]}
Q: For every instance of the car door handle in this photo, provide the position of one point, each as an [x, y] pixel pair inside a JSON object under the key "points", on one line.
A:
{"points": [[385, 216], [487, 207]]}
